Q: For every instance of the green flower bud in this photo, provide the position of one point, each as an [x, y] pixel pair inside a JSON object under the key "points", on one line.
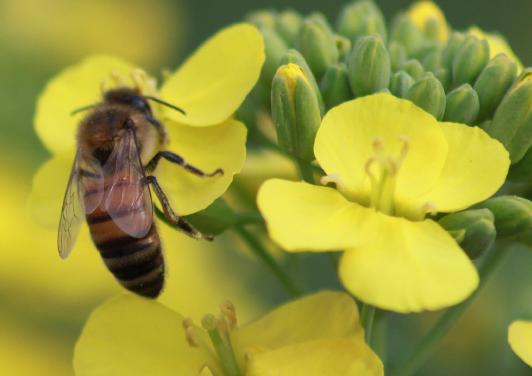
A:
{"points": [[522, 170], [335, 85], [432, 60], [295, 111], [361, 18], [288, 24], [401, 83], [344, 46], [449, 51], [275, 48], [405, 31], [414, 68], [475, 229], [444, 76], [470, 59], [322, 20], [369, 66], [513, 214], [462, 105], [493, 82], [398, 55], [215, 219], [428, 94], [318, 46], [512, 123], [262, 18], [293, 56]]}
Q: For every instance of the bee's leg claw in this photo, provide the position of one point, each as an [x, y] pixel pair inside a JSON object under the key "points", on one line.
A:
{"points": [[170, 215]]}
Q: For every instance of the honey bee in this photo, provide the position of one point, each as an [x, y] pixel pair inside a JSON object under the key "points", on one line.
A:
{"points": [[110, 187]]}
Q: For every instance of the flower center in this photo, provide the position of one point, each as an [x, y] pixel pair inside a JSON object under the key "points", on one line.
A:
{"points": [[382, 170], [218, 328]]}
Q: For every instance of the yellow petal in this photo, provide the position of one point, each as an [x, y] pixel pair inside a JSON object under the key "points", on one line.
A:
{"points": [[422, 12], [346, 356], [497, 43], [74, 87], [344, 144], [305, 217], [323, 315], [415, 266], [520, 339], [135, 336], [48, 189], [475, 168], [213, 82], [221, 146]]}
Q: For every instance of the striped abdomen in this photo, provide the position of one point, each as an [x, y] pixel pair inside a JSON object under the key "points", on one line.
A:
{"points": [[137, 263]]}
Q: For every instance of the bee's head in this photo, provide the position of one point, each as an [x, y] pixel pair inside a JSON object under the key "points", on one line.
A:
{"points": [[128, 97]]}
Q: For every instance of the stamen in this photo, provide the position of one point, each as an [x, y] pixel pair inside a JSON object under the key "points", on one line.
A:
{"points": [[429, 208], [190, 333], [228, 310]]}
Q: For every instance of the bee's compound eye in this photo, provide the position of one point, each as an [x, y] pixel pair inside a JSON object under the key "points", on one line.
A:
{"points": [[140, 104]]}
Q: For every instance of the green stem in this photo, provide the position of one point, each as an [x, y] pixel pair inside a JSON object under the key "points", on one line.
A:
{"points": [[379, 336], [249, 218], [367, 317], [267, 258], [225, 354], [431, 340], [306, 171]]}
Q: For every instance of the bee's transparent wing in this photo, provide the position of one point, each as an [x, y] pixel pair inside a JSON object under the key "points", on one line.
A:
{"points": [[128, 199], [83, 194]]}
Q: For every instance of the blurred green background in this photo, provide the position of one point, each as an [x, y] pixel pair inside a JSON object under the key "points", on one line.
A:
{"points": [[44, 301]]}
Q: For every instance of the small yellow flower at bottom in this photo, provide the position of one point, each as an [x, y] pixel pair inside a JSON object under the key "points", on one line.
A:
{"points": [[520, 339], [316, 335], [390, 164]]}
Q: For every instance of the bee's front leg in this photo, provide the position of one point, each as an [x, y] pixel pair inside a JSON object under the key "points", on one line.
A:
{"points": [[169, 213], [178, 160]]}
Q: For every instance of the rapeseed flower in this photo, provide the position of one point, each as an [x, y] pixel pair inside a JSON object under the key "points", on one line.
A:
{"points": [[391, 165], [210, 85], [316, 335], [520, 339]]}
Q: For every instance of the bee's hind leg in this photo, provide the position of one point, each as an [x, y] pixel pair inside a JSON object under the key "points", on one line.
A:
{"points": [[171, 216], [178, 160]]}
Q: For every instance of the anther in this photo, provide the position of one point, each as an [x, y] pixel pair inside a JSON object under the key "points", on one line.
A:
{"points": [[190, 333], [228, 310], [209, 322]]}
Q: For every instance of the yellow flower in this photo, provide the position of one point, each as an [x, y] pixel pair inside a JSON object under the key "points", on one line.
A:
{"points": [[392, 164], [520, 339], [497, 43], [427, 15], [210, 86], [316, 335]]}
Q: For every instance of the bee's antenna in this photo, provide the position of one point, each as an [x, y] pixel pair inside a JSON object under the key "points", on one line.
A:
{"points": [[84, 108], [160, 101]]}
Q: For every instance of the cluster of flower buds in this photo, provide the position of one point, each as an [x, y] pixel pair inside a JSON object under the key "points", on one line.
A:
{"points": [[313, 65]]}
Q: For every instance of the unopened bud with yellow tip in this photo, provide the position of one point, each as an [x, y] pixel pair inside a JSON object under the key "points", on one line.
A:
{"points": [[429, 18], [295, 111]]}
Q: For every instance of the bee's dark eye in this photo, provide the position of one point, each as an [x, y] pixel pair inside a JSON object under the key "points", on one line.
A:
{"points": [[139, 103]]}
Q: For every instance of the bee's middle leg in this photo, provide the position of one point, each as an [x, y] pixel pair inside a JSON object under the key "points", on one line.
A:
{"points": [[169, 213], [178, 160]]}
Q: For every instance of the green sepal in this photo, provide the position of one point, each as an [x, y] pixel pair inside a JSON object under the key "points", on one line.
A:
{"points": [[318, 46], [295, 57], [512, 122], [405, 32], [428, 93], [361, 18], [462, 105], [335, 85], [513, 214], [414, 68], [288, 24], [469, 60], [493, 82], [398, 55], [369, 66], [401, 83], [474, 230], [454, 43]]}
